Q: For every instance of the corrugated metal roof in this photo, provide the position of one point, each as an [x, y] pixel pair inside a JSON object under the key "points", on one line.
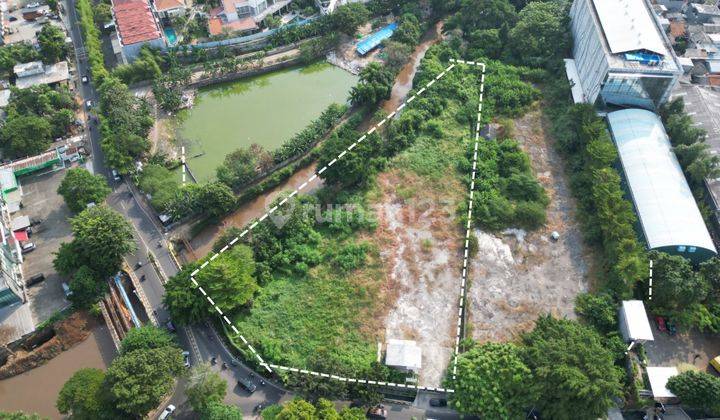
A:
{"points": [[628, 26], [665, 205]]}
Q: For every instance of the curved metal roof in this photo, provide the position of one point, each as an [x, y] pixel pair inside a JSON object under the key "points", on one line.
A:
{"points": [[665, 205]]}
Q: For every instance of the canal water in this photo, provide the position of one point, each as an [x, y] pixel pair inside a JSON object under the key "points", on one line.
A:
{"points": [[36, 391], [266, 110]]}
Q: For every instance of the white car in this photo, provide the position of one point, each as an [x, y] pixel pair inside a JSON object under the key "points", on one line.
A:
{"points": [[84, 79], [186, 358], [88, 104], [115, 175], [66, 289], [167, 412]]}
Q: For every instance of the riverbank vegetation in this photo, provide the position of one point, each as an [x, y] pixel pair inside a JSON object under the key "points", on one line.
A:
{"points": [[134, 384]]}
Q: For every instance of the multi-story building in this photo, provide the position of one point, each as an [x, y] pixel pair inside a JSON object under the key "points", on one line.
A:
{"points": [[136, 26], [621, 54], [11, 279]]}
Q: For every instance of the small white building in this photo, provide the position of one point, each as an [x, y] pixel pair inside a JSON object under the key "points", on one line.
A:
{"points": [[634, 323], [36, 73], [404, 355], [658, 378]]}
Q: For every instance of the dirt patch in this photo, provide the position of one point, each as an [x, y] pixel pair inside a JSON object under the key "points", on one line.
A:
{"points": [[420, 243], [68, 332], [516, 276]]}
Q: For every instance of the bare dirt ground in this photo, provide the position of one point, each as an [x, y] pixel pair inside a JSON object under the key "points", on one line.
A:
{"points": [[420, 246], [517, 276]]}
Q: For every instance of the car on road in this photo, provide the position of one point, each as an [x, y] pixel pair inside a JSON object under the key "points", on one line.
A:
{"points": [[377, 412], [247, 385], [167, 412], [88, 104], [85, 79], [170, 326], [115, 175], [186, 358], [12, 18], [438, 402]]}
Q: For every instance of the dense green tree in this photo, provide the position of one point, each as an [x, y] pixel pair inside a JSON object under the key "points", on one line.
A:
{"points": [[397, 54], [26, 135], [21, 52], [182, 298], [220, 411], [297, 409], [229, 279], [102, 236], [81, 397], [347, 18], [574, 371], [675, 283], [204, 387], [122, 149], [137, 381], [161, 184], [87, 287], [102, 14], [80, 187], [356, 166], [145, 338], [375, 85], [52, 44], [485, 43], [67, 259], [238, 168], [408, 31], [492, 382], [697, 390], [485, 14], [18, 415], [599, 310], [540, 35], [710, 271], [168, 87]]}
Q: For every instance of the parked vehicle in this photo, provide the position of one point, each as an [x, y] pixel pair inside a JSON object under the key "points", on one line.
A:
{"points": [[170, 326], [85, 79], [27, 247], [186, 358], [115, 175], [37, 278], [438, 402], [66, 289], [660, 323], [247, 385], [12, 19], [167, 412], [715, 363], [672, 329], [377, 412], [88, 104]]}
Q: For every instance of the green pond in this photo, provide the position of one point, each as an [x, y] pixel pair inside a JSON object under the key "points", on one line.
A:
{"points": [[267, 110]]}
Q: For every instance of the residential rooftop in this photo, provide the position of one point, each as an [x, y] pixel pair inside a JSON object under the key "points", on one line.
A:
{"points": [[50, 74], [135, 21]]}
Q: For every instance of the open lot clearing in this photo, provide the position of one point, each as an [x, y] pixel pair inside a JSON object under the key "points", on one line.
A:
{"points": [[519, 275]]}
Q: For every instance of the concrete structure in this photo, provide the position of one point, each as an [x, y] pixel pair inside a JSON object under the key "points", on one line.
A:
{"points": [[35, 73], [243, 15], [621, 54], [669, 216], [136, 26], [404, 355], [634, 323]]}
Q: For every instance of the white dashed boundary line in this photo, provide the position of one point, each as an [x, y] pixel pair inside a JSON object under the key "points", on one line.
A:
{"points": [[468, 227], [182, 160], [650, 282], [270, 367]]}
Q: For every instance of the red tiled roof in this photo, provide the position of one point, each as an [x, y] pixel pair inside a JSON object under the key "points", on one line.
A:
{"points": [[215, 25], [135, 21], [162, 5]]}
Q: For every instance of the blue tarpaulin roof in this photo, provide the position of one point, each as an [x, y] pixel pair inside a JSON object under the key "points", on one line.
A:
{"points": [[373, 40]]}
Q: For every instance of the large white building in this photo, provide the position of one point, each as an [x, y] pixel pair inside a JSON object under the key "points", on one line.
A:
{"points": [[621, 55]]}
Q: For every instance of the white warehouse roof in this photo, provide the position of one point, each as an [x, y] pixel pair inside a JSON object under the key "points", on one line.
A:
{"points": [[637, 326], [664, 203], [629, 26], [658, 378]]}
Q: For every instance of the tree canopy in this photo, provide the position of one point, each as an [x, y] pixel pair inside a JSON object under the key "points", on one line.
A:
{"points": [[81, 397], [229, 279], [697, 390], [205, 387], [80, 187], [492, 382], [573, 370], [375, 84], [52, 44]]}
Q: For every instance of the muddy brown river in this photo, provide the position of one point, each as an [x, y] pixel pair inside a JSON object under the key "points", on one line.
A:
{"points": [[36, 391]]}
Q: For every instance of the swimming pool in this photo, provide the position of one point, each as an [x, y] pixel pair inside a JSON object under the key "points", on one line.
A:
{"points": [[170, 35]]}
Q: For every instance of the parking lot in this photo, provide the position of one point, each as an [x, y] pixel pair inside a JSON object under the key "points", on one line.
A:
{"points": [[684, 348], [20, 30], [42, 202]]}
